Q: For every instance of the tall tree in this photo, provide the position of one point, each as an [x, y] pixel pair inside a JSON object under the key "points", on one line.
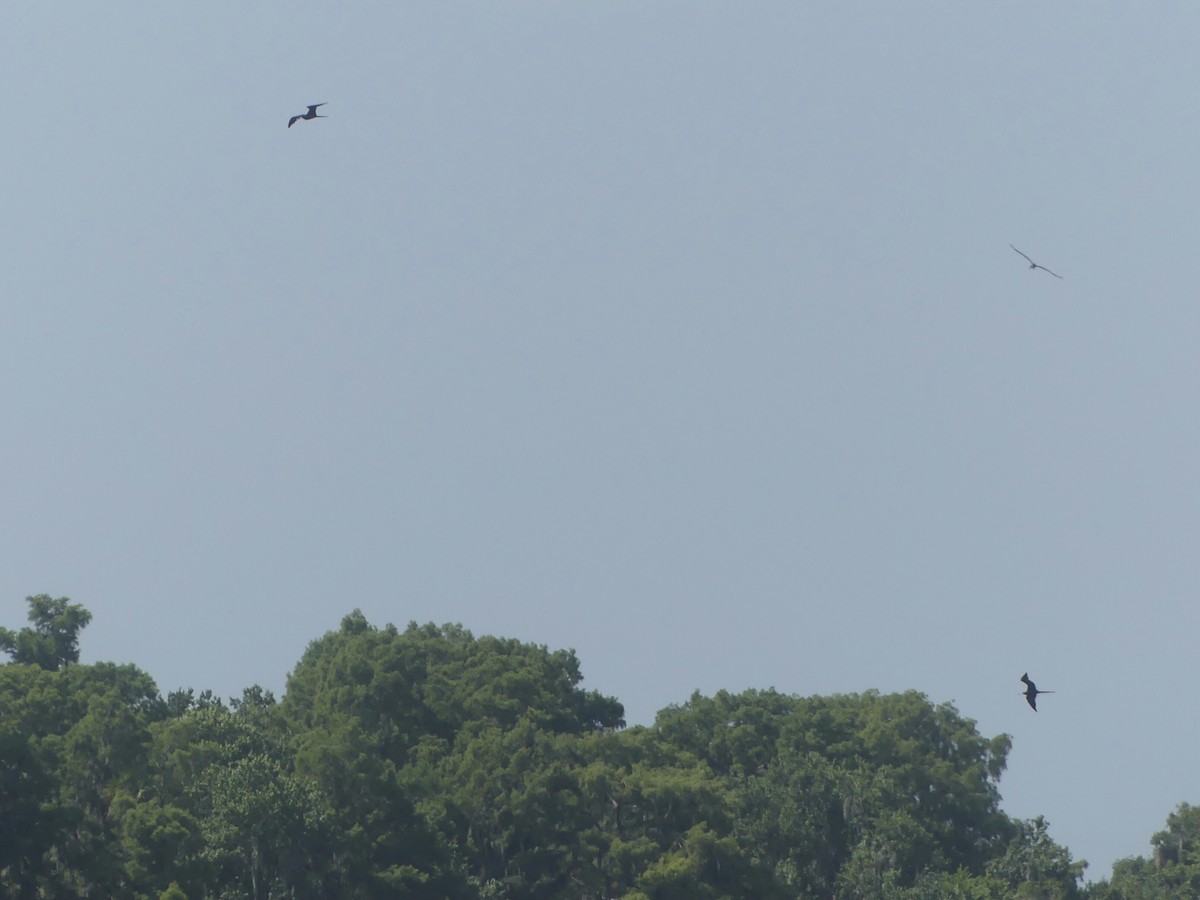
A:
{"points": [[891, 784], [1173, 873], [53, 641], [1034, 866]]}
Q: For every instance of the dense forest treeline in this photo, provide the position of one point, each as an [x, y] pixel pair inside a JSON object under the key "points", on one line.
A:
{"points": [[428, 763]]}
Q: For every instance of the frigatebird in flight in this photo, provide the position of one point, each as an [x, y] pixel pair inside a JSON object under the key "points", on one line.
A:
{"points": [[311, 114], [1032, 264], [1031, 691]]}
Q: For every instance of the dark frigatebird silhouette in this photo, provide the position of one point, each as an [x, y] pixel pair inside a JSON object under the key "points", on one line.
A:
{"points": [[1032, 264], [311, 114], [1031, 691]]}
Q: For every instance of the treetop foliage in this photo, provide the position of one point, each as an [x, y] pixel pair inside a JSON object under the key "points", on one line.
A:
{"points": [[429, 763], [53, 641]]}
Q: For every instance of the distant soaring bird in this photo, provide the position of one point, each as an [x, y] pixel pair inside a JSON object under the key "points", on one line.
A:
{"points": [[1031, 691], [311, 114], [1032, 264]]}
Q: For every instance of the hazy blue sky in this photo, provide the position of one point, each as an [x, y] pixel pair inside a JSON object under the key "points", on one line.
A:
{"points": [[685, 334]]}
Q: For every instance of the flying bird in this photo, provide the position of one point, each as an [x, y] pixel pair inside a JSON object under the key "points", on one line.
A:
{"points": [[1031, 690], [1032, 264], [311, 114]]}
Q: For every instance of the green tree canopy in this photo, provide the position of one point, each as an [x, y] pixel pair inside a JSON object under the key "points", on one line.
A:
{"points": [[53, 641], [1173, 871], [434, 765], [430, 682]]}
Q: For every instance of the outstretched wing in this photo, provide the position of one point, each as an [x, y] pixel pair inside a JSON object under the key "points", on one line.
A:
{"points": [[1031, 262], [292, 120], [313, 111], [1025, 677], [1031, 698], [1044, 269]]}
